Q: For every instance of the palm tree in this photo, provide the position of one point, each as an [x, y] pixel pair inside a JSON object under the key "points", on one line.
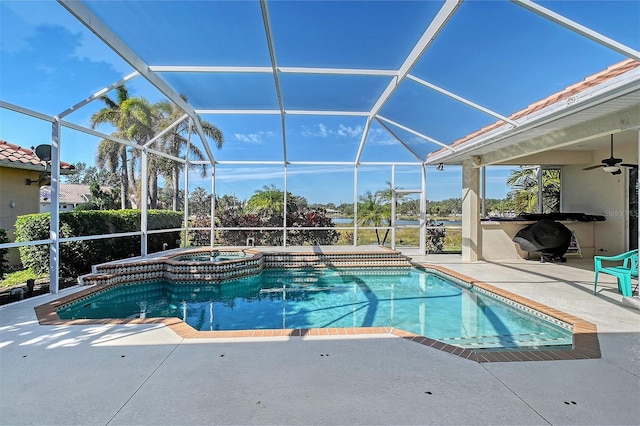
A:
{"points": [[268, 200], [372, 212], [524, 193], [132, 118], [387, 194], [175, 142]]}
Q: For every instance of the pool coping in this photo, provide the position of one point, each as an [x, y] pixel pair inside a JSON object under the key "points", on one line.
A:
{"points": [[585, 345]]}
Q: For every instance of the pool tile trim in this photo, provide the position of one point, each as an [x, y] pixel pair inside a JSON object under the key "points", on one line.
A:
{"points": [[585, 336]]}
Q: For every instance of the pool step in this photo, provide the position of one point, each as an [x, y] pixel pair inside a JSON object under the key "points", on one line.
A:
{"points": [[527, 340]]}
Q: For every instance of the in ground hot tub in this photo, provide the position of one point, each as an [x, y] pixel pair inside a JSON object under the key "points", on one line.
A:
{"points": [[214, 256]]}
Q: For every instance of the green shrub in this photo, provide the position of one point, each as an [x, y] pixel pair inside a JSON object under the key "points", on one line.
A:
{"points": [[77, 257]]}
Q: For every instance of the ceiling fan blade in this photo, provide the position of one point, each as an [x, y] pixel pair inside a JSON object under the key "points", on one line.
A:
{"points": [[593, 167]]}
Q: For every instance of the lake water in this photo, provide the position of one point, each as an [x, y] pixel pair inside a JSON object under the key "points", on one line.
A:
{"points": [[349, 221]]}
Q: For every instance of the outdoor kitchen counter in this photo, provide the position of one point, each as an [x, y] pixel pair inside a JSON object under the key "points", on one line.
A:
{"points": [[497, 238]]}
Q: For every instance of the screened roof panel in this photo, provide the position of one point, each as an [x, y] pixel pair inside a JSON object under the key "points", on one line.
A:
{"points": [[617, 19], [433, 114], [327, 138], [505, 57], [347, 34], [225, 90], [341, 56], [248, 138], [188, 33], [331, 92], [382, 145]]}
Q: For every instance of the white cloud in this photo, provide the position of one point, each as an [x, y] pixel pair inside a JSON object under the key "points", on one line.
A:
{"points": [[349, 131], [254, 138], [318, 131], [381, 137], [323, 131]]}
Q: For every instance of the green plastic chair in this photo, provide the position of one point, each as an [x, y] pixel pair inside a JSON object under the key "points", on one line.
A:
{"points": [[623, 272]]}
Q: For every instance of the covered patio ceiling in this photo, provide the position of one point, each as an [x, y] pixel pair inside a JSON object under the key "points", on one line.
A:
{"points": [[425, 74]]}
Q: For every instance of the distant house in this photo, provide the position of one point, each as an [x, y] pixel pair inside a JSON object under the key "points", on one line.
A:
{"points": [[22, 174], [71, 195]]}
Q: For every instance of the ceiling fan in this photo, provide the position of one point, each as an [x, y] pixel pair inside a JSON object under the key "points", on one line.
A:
{"points": [[611, 164]]}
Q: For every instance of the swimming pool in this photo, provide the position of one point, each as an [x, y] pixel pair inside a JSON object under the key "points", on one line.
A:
{"points": [[411, 299]]}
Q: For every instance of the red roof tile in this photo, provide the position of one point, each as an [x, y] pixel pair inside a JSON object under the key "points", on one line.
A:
{"points": [[591, 81], [16, 156]]}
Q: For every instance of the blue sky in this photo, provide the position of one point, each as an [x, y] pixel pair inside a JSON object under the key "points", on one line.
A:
{"points": [[496, 54]]}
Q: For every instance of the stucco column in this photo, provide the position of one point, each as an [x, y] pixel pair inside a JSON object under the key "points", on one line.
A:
{"points": [[471, 237]]}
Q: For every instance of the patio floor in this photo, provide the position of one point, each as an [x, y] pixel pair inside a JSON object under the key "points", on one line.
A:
{"points": [[146, 374]]}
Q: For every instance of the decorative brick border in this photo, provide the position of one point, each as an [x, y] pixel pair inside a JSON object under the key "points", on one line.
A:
{"points": [[585, 336]]}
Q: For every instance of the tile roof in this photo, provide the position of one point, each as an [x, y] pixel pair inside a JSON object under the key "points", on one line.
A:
{"points": [[23, 158], [589, 82], [69, 193]]}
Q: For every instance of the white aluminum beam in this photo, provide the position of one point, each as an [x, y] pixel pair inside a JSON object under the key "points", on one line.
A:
{"points": [[393, 207], [312, 112], [26, 111], [314, 163], [388, 163], [363, 140], [337, 71], [276, 78], [239, 111], [104, 236], [165, 131], [416, 133], [195, 119], [321, 163], [268, 70], [98, 94], [398, 139], [580, 29], [408, 191], [165, 155], [278, 112], [210, 69], [437, 24], [99, 134], [240, 162], [82, 13], [463, 100], [144, 202], [54, 218]]}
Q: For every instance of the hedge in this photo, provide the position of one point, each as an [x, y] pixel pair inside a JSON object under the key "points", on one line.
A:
{"points": [[77, 257]]}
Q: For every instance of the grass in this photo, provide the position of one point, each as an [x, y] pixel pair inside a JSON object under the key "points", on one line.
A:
{"points": [[404, 238], [17, 278]]}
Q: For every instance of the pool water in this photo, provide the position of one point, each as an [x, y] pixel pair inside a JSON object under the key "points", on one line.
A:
{"points": [[408, 299]]}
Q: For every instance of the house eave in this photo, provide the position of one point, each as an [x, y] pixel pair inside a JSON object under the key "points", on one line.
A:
{"points": [[616, 98]]}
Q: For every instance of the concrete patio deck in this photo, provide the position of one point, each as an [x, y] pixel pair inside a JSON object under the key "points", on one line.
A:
{"points": [[146, 374]]}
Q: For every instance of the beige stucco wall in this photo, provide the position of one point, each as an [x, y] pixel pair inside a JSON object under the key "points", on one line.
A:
{"points": [[600, 193], [26, 199], [472, 244]]}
